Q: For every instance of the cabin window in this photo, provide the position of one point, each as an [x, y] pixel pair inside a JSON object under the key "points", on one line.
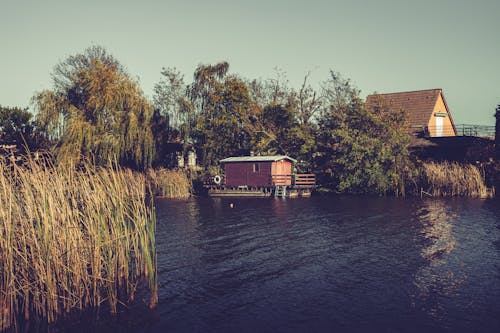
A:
{"points": [[256, 167]]}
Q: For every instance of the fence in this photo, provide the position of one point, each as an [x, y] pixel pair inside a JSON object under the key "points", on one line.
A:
{"points": [[461, 130], [296, 180]]}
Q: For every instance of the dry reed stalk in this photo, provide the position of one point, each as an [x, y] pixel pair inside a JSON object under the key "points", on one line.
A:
{"points": [[72, 240], [453, 179], [169, 183]]}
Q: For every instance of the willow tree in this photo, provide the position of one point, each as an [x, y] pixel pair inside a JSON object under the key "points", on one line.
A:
{"points": [[221, 104], [96, 110]]}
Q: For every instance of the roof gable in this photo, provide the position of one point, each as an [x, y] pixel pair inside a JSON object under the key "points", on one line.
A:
{"points": [[273, 158], [419, 105]]}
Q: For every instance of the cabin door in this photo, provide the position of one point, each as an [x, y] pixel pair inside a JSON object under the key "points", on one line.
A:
{"points": [[279, 168], [439, 126]]}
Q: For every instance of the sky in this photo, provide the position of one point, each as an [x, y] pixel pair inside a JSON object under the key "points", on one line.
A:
{"points": [[382, 46]]}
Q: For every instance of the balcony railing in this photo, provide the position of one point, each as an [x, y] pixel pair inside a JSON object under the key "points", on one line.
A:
{"points": [[295, 180], [304, 180], [461, 130], [475, 130]]}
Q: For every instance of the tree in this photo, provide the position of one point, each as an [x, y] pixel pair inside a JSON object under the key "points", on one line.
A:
{"points": [[306, 102], [362, 150], [372, 155], [171, 99], [339, 98], [283, 119], [274, 91], [173, 116], [96, 110], [15, 126], [221, 102]]}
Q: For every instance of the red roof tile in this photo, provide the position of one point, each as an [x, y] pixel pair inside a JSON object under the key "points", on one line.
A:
{"points": [[419, 105]]}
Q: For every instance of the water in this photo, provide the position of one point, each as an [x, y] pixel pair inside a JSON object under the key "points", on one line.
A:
{"points": [[327, 264]]}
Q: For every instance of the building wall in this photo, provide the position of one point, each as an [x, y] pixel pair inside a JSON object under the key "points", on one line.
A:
{"points": [[283, 168], [440, 107], [243, 174]]}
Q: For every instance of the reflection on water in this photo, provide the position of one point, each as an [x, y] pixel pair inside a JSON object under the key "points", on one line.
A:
{"points": [[436, 218], [436, 279]]}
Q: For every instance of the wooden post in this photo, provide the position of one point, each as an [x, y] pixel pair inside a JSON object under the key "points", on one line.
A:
{"points": [[497, 132]]}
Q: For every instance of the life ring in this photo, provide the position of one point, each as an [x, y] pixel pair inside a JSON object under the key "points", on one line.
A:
{"points": [[217, 179]]}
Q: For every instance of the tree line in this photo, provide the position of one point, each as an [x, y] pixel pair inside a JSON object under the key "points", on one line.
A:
{"points": [[96, 110]]}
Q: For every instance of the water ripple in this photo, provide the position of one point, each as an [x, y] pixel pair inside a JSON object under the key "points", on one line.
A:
{"points": [[328, 264]]}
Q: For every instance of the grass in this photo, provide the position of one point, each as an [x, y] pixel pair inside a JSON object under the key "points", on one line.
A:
{"points": [[169, 183], [453, 179], [72, 240]]}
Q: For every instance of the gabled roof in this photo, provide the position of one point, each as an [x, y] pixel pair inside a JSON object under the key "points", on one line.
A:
{"points": [[257, 159], [419, 105]]}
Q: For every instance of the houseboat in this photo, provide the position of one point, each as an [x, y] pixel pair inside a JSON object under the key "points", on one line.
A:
{"points": [[260, 176]]}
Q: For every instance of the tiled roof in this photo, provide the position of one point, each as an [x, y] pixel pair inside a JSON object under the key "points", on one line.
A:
{"points": [[257, 159], [417, 104]]}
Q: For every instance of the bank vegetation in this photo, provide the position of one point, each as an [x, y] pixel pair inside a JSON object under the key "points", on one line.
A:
{"points": [[73, 239], [170, 184], [95, 110], [451, 179]]}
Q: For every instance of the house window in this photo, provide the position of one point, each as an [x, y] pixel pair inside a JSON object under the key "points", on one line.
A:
{"points": [[256, 167]]}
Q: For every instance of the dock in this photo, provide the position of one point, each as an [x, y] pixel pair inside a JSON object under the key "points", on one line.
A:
{"points": [[282, 186]]}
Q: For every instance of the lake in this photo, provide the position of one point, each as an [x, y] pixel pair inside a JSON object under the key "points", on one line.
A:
{"points": [[324, 264]]}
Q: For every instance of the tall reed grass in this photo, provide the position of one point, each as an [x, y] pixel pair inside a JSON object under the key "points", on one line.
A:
{"points": [[72, 240], [453, 179], [171, 184]]}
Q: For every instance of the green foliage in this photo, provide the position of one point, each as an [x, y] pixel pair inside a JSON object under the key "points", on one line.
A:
{"points": [[362, 150], [221, 103], [173, 117], [307, 103], [222, 115], [283, 134], [15, 126], [96, 110], [283, 120], [162, 135]]}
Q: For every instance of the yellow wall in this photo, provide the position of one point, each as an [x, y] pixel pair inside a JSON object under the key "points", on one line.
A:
{"points": [[440, 107]]}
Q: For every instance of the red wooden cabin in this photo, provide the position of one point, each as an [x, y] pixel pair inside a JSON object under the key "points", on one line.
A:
{"points": [[261, 176], [257, 171]]}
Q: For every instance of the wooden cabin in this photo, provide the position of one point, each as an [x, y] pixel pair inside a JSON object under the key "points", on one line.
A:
{"points": [[261, 176], [427, 110], [257, 170]]}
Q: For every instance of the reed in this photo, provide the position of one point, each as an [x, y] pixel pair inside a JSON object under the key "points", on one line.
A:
{"points": [[72, 240], [453, 179], [172, 184]]}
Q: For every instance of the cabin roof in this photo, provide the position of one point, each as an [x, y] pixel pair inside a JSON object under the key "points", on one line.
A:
{"points": [[273, 158], [419, 104]]}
